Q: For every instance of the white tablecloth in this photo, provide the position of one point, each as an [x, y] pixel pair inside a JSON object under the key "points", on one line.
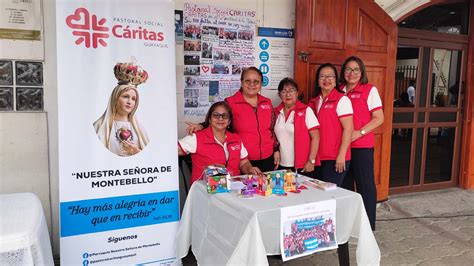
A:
{"points": [[24, 237], [225, 229]]}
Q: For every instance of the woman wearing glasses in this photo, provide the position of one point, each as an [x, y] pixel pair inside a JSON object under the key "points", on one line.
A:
{"points": [[252, 120], [216, 144], [334, 112], [296, 129], [368, 115]]}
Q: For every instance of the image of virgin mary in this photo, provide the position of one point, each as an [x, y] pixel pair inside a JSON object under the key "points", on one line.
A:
{"points": [[118, 128]]}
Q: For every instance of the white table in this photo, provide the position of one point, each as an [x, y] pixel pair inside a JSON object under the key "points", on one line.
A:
{"points": [[24, 237], [224, 229]]}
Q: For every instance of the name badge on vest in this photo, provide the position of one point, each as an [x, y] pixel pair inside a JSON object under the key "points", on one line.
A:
{"points": [[329, 105], [235, 147], [355, 96]]}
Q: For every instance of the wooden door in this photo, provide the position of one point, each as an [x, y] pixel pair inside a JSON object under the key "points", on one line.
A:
{"points": [[332, 30]]}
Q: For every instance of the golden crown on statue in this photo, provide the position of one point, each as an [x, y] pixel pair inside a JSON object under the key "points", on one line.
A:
{"points": [[129, 73]]}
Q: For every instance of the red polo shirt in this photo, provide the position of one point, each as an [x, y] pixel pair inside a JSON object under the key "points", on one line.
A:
{"points": [[253, 125], [301, 137], [365, 99], [329, 111], [205, 150]]}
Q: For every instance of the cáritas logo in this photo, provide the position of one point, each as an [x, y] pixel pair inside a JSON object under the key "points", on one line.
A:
{"points": [[92, 31], [87, 28]]}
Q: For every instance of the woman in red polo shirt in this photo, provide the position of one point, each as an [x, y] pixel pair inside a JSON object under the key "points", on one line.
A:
{"points": [[296, 129], [334, 112], [216, 144], [368, 115], [252, 120]]}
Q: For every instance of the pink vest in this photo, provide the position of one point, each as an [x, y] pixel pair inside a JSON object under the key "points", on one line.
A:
{"points": [[209, 152], [253, 127], [330, 128], [362, 115], [301, 137]]}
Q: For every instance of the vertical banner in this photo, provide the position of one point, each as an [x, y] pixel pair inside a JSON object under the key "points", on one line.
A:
{"points": [[119, 198], [275, 54], [218, 43]]}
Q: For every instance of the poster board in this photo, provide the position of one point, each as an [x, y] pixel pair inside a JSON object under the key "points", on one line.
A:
{"points": [[218, 44]]}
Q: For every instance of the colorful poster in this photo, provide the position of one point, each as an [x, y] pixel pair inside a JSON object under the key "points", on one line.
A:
{"points": [[275, 55], [218, 43], [308, 228], [117, 131]]}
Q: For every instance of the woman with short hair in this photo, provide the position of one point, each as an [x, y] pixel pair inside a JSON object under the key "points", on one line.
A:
{"points": [[296, 129]]}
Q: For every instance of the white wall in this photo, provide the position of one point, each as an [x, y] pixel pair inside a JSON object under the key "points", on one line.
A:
{"points": [[37, 175], [24, 156], [51, 106]]}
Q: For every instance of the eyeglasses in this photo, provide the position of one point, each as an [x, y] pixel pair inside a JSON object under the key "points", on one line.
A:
{"points": [[218, 116], [288, 91], [327, 77], [348, 70], [252, 82]]}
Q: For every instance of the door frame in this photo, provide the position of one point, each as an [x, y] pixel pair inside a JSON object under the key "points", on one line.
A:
{"points": [[433, 40]]}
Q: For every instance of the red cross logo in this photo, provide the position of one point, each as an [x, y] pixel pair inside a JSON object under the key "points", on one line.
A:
{"points": [[87, 28]]}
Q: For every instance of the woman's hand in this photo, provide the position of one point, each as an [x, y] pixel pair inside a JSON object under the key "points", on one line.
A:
{"points": [[308, 167], [356, 135], [255, 170], [193, 128], [340, 163], [247, 168], [129, 147], [276, 159]]}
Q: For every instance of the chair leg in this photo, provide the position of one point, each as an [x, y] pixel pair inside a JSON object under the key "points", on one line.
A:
{"points": [[181, 162]]}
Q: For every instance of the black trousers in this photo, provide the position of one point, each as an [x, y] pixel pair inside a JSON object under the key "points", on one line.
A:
{"points": [[362, 172], [327, 172], [264, 165]]}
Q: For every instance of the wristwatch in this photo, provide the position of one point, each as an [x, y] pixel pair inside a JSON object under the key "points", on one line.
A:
{"points": [[362, 132], [313, 161]]}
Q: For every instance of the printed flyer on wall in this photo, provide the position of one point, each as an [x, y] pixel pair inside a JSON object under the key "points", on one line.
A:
{"points": [[118, 179], [218, 43], [308, 228], [275, 55]]}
